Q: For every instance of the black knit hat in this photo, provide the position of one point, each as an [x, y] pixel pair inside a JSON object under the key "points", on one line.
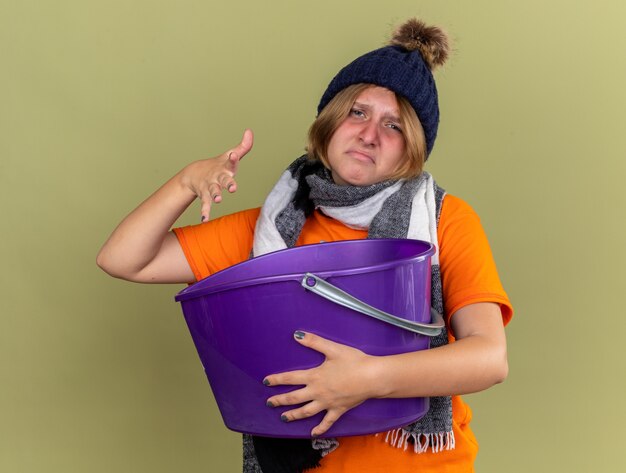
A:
{"points": [[404, 67]]}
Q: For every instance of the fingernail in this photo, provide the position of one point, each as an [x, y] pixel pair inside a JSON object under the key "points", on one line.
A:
{"points": [[269, 404], [266, 382], [299, 334], [284, 418], [230, 187], [203, 219], [314, 434]]}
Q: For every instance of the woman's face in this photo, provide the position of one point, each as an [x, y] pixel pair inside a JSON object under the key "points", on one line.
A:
{"points": [[368, 147]]}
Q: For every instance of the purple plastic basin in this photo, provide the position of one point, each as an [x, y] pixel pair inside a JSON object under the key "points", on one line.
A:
{"points": [[242, 321]]}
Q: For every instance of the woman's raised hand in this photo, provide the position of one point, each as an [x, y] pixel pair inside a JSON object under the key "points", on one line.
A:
{"points": [[142, 248], [343, 381], [206, 178]]}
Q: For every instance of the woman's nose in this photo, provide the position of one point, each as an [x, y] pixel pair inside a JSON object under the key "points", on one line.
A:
{"points": [[369, 133]]}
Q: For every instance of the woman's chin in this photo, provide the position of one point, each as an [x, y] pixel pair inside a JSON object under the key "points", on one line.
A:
{"points": [[353, 179], [357, 182]]}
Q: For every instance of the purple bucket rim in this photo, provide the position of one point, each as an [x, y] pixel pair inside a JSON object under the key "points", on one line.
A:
{"points": [[193, 292]]}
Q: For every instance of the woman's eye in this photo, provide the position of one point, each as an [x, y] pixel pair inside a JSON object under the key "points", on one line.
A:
{"points": [[357, 113], [394, 126]]}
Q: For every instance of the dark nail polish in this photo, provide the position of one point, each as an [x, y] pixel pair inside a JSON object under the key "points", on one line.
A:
{"points": [[203, 219], [299, 334], [266, 382], [284, 418], [269, 404]]}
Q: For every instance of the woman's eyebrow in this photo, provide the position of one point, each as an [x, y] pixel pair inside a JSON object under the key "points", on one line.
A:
{"points": [[394, 116], [362, 105]]}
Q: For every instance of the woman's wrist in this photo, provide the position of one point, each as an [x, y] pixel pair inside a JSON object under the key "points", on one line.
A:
{"points": [[184, 179], [374, 373]]}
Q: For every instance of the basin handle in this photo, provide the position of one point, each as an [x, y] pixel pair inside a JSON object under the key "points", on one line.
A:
{"points": [[323, 288]]}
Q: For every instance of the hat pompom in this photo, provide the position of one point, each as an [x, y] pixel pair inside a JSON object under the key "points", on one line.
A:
{"points": [[431, 41]]}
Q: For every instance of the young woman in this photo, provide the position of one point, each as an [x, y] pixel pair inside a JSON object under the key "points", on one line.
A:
{"points": [[362, 177]]}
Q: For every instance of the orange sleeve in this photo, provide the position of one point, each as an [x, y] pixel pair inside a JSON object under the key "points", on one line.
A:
{"points": [[468, 270], [217, 244]]}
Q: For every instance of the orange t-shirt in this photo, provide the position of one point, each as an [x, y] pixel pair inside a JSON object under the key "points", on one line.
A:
{"points": [[468, 275]]}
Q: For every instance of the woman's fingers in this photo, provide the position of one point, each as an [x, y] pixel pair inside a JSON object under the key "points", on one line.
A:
{"points": [[304, 412], [237, 153], [309, 410], [207, 200], [213, 194], [216, 174], [297, 377], [340, 383], [227, 182], [244, 147], [317, 343], [327, 422], [215, 190]]}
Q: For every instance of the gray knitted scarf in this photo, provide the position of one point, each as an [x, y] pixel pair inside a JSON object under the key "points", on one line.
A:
{"points": [[390, 209]]}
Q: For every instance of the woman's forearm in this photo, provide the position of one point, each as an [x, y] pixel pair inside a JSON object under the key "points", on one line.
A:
{"points": [[475, 362], [139, 237], [469, 365], [141, 248], [347, 377]]}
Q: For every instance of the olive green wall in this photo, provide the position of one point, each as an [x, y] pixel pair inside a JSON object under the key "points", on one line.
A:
{"points": [[102, 101]]}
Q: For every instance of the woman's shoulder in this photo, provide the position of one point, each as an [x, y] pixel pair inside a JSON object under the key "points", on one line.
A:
{"points": [[243, 216], [221, 242], [454, 206], [458, 220], [232, 223], [468, 268]]}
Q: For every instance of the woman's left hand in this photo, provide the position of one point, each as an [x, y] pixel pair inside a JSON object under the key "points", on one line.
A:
{"points": [[344, 380]]}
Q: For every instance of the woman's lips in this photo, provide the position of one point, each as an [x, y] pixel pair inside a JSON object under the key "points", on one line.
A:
{"points": [[360, 155]]}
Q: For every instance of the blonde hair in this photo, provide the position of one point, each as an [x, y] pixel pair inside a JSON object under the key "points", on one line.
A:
{"points": [[329, 119]]}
